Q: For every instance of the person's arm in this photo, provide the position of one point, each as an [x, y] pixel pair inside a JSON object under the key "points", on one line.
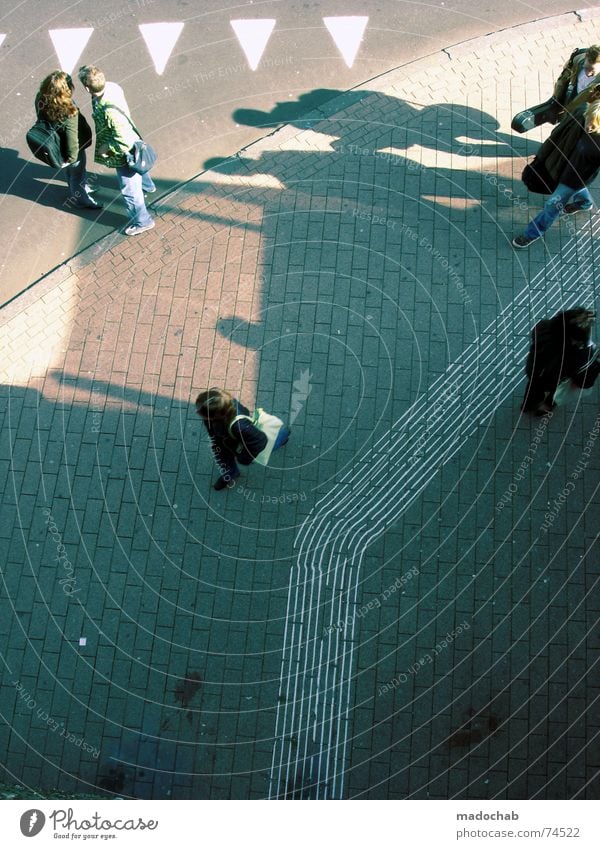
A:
{"points": [[71, 131], [584, 97], [251, 441]]}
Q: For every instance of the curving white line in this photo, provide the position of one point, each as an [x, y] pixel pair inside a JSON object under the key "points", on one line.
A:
{"points": [[348, 525]]}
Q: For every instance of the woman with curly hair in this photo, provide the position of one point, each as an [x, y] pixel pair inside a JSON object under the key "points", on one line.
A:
{"points": [[54, 103]]}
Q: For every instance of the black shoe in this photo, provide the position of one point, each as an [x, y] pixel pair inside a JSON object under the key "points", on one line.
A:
{"points": [[224, 482], [88, 204], [572, 208], [523, 242]]}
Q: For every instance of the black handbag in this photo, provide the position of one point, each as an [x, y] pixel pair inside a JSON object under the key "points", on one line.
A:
{"points": [[141, 157], [536, 178], [46, 143]]}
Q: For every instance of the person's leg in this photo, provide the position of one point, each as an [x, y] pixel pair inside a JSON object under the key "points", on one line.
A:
{"points": [[536, 398], [227, 465], [581, 200], [79, 191], [130, 185], [553, 207], [75, 173]]}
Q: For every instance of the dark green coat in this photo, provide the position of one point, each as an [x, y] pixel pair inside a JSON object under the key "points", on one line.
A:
{"points": [[75, 132]]}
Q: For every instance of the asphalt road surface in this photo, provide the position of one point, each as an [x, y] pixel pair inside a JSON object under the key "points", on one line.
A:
{"points": [[203, 79]]}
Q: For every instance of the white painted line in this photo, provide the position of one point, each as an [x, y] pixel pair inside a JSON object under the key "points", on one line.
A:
{"points": [[351, 522], [160, 40], [253, 35], [69, 44], [2, 37], [347, 32]]}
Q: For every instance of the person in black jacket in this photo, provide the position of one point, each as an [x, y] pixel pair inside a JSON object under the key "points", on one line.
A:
{"points": [[580, 170], [54, 103], [560, 348], [235, 443]]}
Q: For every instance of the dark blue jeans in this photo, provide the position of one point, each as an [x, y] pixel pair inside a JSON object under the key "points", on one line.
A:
{"points": [[555, 206], [226, 459]]}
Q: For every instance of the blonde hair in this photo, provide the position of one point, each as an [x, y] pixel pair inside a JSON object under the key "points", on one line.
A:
{"points": [[592, 53], [92, 78], [592, 113]]}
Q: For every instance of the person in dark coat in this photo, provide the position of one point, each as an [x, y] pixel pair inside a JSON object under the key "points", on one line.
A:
{"points": [[573, 159], [235, 443], [560, 348], [54, 103]]}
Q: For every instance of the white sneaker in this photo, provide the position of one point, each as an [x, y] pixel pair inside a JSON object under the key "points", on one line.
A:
{"points": [[136, 229]]}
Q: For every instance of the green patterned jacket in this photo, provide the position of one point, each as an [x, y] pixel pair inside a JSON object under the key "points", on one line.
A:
{"points": [[114, 134]]}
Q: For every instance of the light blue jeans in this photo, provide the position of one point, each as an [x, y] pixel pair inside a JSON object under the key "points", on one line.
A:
{"points": [[133, 186], [555, 206]]}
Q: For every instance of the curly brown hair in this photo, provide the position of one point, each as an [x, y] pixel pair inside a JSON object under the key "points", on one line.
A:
{"points": [[55, 102]]}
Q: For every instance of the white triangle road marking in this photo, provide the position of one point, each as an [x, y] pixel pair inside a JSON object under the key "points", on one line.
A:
{"points": [[69, 45], [253, 35], [347, 32], [160, 40], [2, 37]]}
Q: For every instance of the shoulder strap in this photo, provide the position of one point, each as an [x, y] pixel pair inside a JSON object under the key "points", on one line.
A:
{"points": [[237, 419], [109, 105]]}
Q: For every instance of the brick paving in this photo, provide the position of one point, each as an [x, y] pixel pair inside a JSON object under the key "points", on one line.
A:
{"points": [[331, 627]]}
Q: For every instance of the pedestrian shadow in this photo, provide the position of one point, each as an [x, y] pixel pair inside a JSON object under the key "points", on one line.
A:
{"points": [[439, 125], [296, 112], [385, 167], [36, 182], [64, 538], [30, 180]]}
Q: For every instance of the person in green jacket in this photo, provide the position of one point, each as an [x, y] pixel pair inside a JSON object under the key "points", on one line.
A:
{"points": [[115, 136], [54, 103]]}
